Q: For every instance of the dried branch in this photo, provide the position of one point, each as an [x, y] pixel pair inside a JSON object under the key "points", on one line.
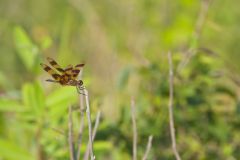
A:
{"points": [[133, 111], [94, 134], [205, 4], [170, 108], [149, 146], [70, 135], [80, 133], [89, 124]]}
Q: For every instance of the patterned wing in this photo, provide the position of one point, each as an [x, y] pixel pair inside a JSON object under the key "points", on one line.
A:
{"points": [[55, 65], [68, 70], [76, 70], [48, 69]]}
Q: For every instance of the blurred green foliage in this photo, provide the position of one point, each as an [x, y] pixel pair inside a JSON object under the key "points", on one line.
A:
{"points": [[124, 46]]}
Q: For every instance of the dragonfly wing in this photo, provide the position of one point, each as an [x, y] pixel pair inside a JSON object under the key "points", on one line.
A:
{"points": [[48, 69], [76, 70], [68, 70], [55, 64]]}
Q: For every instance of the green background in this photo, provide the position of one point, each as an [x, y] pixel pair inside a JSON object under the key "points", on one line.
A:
{"points": [[124, 46]]}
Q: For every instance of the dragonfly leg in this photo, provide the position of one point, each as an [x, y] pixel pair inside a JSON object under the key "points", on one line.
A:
{"points": [[51, 80], [79, 89]]}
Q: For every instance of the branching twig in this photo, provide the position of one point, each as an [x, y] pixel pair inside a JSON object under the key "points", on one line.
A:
{"points": [[205, 4], [133, 111], [81, 107], [70, 135], [94, 134], [170, 108], [89, 124], [149, 145]]}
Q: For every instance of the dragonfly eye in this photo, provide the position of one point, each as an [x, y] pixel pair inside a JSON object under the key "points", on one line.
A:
{"points": [[80, 82]]}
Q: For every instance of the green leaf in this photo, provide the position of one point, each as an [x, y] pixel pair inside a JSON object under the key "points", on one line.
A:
{"points": [[99, 146], [26, 50], [102, 145], [59, 101], [11, 151], [8, 105], [39, 95], [62, 95], [123, 78], [33, 97], [46, 42]]}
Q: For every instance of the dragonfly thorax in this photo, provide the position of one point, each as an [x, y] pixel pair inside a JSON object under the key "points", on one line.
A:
{"points": [[64, 79], [75, 82]]}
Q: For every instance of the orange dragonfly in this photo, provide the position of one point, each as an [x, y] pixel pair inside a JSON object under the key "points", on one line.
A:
{"points": [[65, 77]]}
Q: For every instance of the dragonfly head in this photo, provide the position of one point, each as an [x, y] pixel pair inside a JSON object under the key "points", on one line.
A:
{"points": [[80, 83]]}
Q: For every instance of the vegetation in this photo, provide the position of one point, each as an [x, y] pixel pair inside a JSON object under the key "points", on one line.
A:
{"points": [[124, 46]]}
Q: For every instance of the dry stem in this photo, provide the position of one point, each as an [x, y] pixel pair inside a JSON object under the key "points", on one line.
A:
{"points": [[94, 134], [70, 135], [149, 146], [81, 107], [89, 124], [133, 111], [170, 108]]}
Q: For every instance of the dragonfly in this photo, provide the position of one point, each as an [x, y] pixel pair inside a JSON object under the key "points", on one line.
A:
{"points": [[64, 76]]}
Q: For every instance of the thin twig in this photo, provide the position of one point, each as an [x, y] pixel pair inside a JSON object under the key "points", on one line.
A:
{"points": [[94, 134], [149, 146], [170, 108], [59, 131], [205, 4], [89, 124], [70, 135], [133, 111], [80, 133]]}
